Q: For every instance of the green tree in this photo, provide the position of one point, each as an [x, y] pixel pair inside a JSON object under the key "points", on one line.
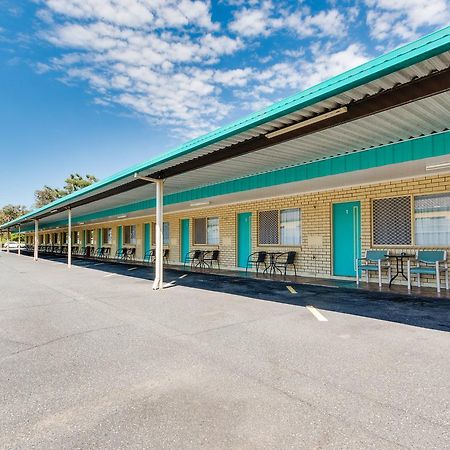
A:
{"points": [[74, 182], [11, 212], [47, 195], [8, 213]]}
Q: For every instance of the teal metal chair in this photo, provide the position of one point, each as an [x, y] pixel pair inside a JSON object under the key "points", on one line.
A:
{"points": [[374, 261], [429, 262]]}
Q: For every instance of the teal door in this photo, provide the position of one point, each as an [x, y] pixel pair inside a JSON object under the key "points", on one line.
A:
{"points": [[184, 236], [99, 238], [346, 237], [147, 241], [119, 237], [244, 241]]}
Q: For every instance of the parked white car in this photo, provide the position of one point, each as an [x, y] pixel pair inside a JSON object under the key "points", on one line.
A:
{"points": [[13, 246]]}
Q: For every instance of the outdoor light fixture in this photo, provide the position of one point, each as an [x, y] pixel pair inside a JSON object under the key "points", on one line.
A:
{"points": [[445, 165], [122, 216], [53, 211], [200, 204], [304, 123], [81, 223]]}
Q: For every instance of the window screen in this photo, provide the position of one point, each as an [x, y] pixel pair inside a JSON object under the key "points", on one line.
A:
{"points": [[432, 220], [392, 221], [268, 227], [200, 231], [130, 234], [107, 235]]}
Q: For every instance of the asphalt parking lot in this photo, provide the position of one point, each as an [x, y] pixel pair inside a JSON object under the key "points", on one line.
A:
{"points": [[93, 358]]}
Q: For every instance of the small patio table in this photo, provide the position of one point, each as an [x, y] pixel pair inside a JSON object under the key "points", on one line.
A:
{"points": [[201, 260], [272, 267], [400, 265]]}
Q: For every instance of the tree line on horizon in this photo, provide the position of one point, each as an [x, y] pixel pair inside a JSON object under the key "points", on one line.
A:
{"points": [[74, 182]]}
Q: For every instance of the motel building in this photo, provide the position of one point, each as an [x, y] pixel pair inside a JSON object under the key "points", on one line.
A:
{"points": [[358, 163]]}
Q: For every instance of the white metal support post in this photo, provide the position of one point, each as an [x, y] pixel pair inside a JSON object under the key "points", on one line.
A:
{"points": [[18, 249], [8, 237], [158, 281], [69, 239], [36, 240]]}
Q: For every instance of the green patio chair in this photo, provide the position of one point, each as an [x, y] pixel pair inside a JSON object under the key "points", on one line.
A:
{"points": [[429, 262], [374, 261]]}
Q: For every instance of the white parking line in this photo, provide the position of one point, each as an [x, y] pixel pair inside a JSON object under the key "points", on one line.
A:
{"points": [[183, 276], [132, 268], [291, 289], [98, 264], [317, 314], [109, 275]]}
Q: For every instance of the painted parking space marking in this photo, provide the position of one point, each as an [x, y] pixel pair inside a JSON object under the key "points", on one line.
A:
{"points": [[183, 276], [109, 275], [291, 289], [317, 314], [132, 268], [98, 264]]}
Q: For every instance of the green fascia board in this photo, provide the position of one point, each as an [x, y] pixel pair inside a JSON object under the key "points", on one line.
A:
{"points": [[414, 149], [407, 55]]}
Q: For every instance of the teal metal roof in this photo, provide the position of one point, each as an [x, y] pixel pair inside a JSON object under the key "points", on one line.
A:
{"points": [[400, 58]]}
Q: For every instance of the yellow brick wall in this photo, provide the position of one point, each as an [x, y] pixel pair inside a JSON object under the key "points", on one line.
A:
{"points": [[315, 253]]}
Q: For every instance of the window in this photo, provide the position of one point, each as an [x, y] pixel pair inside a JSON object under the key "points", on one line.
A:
{"points": [[432, 220], [280, 227], [41, 239], [55, 238], [90, 236], [129, 235], [206, 231], [76, 237], [107, 235], [391, 220], [290, 227], [166, 233], [64, 238]]}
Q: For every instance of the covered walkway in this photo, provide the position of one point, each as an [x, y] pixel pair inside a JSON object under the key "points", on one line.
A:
{"points": [[357, 162], [290, 282]]}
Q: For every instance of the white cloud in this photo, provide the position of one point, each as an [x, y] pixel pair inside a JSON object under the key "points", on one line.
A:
{"points": [[265, 19], [299, 75], [405, 19], [253, 22], [169, 62]]}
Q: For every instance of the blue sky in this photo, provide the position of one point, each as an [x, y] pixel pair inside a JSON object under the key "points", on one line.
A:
{"points": [[93, 86]]}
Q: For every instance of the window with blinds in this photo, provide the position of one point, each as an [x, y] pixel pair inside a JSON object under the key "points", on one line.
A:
{"points": [[166, 233], [206, 231], [90, 236], [107, 235], [129, 234], [391, 221], [432, 220]]}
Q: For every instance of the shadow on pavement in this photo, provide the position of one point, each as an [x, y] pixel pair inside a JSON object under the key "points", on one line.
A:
{"points": [[411, 310]]}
